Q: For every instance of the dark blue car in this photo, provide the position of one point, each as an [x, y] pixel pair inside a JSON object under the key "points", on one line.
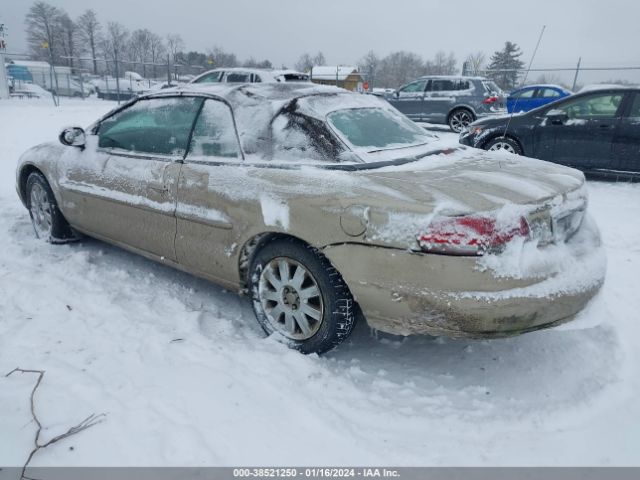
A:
{"points": [[534, 96]]}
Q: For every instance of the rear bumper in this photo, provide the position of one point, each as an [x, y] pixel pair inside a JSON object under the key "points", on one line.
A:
{"points": [[406, 293], [492, 112]]}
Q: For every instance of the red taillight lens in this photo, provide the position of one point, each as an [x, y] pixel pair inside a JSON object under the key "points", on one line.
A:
{"points": [[489, 100], [469, 235]]}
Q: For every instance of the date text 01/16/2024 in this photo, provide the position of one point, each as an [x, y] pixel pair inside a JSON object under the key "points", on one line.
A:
{"points": [[315, 473]]}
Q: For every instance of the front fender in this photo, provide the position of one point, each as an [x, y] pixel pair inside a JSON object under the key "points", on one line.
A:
{"points": [[42, 158]]}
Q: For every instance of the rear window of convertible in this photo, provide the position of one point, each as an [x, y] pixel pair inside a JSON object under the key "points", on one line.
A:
{"points": [[376, 129]]}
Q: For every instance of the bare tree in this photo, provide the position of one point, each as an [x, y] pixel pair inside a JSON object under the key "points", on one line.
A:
{"points": [[175, 45], [442, 64], [319, 59], [42, 25], [89, 31], [140, 48], [67, 38], [398, 68], [253, 63], [306, 62], [157, 50], [115, 43], [221, 58], [369, 66], [476, 62]]}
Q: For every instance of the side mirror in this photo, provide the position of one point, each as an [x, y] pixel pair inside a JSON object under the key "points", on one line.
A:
{"points": [[72, 137], [557, 117]]}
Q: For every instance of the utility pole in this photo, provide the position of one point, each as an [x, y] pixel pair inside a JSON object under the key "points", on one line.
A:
{"points": [[4, 83], [575, 79]]}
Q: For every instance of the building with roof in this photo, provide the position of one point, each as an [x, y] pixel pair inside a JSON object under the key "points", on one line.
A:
{"points": [[344, 76]]}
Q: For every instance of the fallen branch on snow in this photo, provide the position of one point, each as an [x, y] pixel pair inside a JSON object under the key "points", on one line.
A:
{"points": [[88, 422]]}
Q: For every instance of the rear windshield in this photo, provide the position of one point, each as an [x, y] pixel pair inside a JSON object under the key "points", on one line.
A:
{"points": [[491, 86], [373, 129]]}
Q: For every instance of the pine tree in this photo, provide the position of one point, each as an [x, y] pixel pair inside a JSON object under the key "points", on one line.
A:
{"points": [[505, 66]]}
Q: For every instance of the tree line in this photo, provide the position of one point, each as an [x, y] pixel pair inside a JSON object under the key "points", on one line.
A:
{"points": [[52, 35]]}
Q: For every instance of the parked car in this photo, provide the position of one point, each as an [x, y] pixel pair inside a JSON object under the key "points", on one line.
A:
{"points": [[452, 100], [131, 85], [68, 87], [534, 96], [250, 75], [319, 204], [597, 131]]}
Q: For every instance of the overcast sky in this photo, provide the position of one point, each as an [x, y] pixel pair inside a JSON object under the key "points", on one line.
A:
{"points": [[603, 33]]}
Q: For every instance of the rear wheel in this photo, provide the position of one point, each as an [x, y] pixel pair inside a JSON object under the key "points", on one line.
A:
{"points": [[299, 297], [460, 118], [48, 222], [504, 144]]}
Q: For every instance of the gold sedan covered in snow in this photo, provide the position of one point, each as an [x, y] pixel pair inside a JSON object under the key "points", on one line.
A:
{"points": [[321, 204]]}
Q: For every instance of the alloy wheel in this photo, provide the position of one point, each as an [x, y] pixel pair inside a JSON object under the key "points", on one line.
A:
{"points": [[460, 120], [502, 146], [41, 211], [290, 298]]}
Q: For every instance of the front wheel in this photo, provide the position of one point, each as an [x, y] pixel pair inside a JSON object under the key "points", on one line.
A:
{"points": [[299, 297], [459, 119], [48, 222], [504, 144]]}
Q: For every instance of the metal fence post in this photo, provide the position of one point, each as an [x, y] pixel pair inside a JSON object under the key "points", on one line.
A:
{"points": [[117, 78], [168, 70]]}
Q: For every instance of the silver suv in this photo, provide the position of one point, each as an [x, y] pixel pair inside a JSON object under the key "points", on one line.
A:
{"points": [[451, 100]]}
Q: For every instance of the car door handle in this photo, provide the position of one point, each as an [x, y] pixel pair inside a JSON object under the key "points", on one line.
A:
{"points": [[603, 126], [161, 189]]}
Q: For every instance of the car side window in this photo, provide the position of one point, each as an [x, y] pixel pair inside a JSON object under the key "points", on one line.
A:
{"points": [[635, 108], [442, 86], [213, 77], [238, 77], [526, 94], [604, 105], [414, 87], [548, 93], [214, 134], [155, 126]]}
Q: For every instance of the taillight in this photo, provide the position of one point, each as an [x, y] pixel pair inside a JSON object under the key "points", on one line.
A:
{"points": [[471, 235], [490, 100]]}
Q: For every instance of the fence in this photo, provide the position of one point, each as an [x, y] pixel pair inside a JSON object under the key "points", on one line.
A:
{"points": [[118, 79], [122, 79]]}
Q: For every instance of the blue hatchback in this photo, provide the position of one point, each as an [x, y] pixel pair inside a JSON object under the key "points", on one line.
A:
{"points": [[534, 96]]}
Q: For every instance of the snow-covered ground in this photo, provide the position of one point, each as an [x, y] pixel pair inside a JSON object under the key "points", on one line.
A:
{"points": [[185, 376]]}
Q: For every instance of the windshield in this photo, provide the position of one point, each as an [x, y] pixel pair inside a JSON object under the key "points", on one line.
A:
{"points": [[372, 129], [491, 87]]}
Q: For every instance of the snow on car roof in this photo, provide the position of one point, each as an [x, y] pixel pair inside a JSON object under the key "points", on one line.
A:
{"points": [[454, 77], [607, 86], [255, 104], [266, 74], [543, 85], [238, 94]]}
